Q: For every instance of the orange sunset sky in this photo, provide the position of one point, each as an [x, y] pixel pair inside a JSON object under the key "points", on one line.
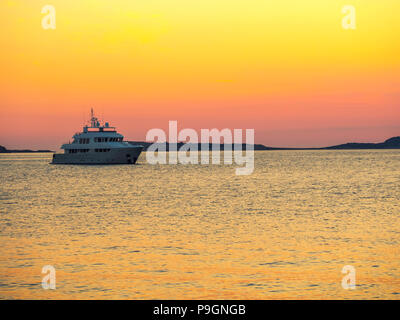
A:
{"points": [[286, 68]]}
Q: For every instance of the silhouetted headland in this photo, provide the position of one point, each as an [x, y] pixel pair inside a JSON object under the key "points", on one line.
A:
{"points": [[392, 143], [5, 150]]}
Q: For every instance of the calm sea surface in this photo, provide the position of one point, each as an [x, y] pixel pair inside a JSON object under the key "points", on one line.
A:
{"points": [[201, 232]]}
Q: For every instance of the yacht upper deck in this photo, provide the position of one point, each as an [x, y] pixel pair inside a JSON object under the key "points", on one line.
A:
{"points": [[95, 134]]}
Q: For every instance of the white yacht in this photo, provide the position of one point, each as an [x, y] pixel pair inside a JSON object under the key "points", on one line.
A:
{"points": [[98, 144]]}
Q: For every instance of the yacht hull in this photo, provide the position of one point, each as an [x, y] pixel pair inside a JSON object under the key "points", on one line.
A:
{"points": [[127, 155]]}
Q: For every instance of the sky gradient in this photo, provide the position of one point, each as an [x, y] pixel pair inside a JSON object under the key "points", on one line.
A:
{"points": [[286, 68]]}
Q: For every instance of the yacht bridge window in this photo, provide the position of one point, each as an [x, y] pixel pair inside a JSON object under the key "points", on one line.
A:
{"points": [[76, 150], [107, 139], [84, 141]]}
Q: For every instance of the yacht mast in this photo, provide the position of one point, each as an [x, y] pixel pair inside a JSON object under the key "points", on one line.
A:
{"points": [[93, 120]]}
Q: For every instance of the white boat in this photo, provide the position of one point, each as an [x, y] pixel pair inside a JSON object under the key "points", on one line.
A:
{"points": [[98, 144]]}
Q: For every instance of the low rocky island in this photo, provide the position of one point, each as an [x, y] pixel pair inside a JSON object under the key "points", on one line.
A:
{"points": [[5, 150], [392, 143]]}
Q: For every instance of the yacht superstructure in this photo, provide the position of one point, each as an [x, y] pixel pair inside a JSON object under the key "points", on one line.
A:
{"points": [[98, 144]]}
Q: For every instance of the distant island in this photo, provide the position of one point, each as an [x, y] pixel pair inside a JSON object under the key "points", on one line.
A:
{"points": [[392, 143], [5, 150]]}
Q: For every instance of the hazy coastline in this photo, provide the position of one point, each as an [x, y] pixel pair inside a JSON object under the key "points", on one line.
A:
{"points": [[392, 143]]}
